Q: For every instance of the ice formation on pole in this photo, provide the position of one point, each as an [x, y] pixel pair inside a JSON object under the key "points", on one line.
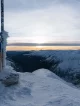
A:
{"points": [[3, 36]]}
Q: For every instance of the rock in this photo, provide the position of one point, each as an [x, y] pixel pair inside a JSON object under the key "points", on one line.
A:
{"points": [[11, 79]]}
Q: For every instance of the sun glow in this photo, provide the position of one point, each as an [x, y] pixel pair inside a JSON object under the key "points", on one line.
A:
{"points": [[36, 39], [39, 40]]}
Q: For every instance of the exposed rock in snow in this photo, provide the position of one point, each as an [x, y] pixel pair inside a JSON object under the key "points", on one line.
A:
{"points": [[11, 79], [8, 77]]}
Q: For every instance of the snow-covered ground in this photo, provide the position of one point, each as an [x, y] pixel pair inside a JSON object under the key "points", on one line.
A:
{"points": [[40, 88]]}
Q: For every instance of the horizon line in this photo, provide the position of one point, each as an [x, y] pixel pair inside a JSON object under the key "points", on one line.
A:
{"points": [[43, 44]]}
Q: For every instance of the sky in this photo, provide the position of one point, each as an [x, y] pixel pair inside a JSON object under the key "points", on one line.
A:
{"points": [[42, 21]]}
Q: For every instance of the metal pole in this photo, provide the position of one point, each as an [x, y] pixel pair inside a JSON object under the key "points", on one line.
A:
{"points": [[2, 31], [2, 16]]}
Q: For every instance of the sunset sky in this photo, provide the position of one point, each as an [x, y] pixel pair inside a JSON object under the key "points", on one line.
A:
{"points": [[41, 21]]}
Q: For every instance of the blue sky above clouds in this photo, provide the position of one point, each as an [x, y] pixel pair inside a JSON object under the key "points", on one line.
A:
{"points": [[43, 20]]}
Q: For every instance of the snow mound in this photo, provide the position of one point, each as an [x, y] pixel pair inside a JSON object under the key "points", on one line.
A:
{"points": [[39, 89], [45, 73], [42, 72]]}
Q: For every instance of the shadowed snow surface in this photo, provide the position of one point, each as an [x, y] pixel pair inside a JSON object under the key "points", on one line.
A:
{"points": [[40, 88]]}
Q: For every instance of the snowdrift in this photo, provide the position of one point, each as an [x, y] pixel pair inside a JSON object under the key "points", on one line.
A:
{"points": [[40, 88]]}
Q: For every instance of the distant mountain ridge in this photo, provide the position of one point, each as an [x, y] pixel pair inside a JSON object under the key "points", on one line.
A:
{"points": [[43, 44], [64, 63]]}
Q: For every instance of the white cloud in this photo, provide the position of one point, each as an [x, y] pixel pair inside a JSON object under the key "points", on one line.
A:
{"points": [[58, 22]]}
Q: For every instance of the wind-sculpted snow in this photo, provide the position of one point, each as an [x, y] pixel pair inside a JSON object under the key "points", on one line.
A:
{"points": [[40, 88]]}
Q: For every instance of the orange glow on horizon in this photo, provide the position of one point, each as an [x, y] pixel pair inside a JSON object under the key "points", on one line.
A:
{"points": [[25, 48]]}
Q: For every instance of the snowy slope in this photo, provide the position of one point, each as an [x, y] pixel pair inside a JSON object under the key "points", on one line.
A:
{"points": [[40, 88]]}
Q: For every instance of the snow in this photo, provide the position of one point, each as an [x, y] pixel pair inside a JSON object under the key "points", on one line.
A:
{"points": [[6, 71], [40, 88], [45, 73], [4, 43]]}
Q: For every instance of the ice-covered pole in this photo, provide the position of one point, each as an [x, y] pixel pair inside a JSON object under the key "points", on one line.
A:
{"points": [[2, 16], [2, 34]]}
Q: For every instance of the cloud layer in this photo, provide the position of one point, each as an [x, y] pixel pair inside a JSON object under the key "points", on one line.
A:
{"points": [[55, 20]]}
